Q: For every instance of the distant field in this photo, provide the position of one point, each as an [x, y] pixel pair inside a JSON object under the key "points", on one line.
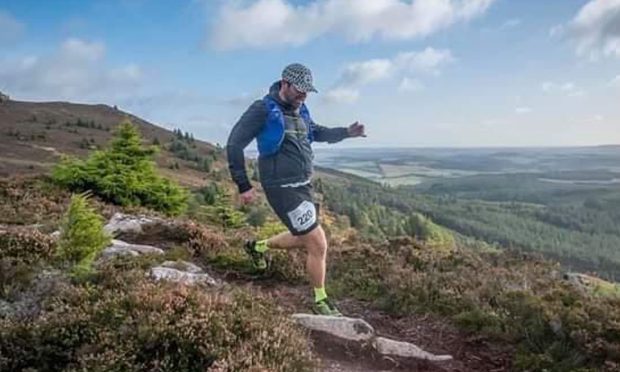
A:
{"points": [[413, 166], [564, 203]]}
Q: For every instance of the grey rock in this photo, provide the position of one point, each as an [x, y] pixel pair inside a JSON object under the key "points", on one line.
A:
{"points": [[347, 328], [386, 346], [123, 223], [174, 275], [355, 329], [120, 247], [183, 266], [118, 251]]}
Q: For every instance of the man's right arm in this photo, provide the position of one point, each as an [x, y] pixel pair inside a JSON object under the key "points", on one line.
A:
{"points": [[246, 129]]}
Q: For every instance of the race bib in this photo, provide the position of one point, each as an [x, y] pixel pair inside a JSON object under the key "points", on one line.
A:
{"points": [[303, 216]]}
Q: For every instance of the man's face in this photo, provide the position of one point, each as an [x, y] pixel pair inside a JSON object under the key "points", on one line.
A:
{"points": [[293, 96]]}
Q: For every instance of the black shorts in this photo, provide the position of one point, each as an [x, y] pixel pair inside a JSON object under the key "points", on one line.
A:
{"points": [[295, 207]]}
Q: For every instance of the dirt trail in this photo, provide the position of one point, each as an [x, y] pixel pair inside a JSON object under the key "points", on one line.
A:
{"points": [[470, 352]]}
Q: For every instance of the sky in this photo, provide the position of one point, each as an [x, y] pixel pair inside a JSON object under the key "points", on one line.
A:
{"points": [[417, 73]]}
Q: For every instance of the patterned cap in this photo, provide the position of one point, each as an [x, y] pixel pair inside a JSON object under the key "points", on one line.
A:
{"points": [[300, 76]]}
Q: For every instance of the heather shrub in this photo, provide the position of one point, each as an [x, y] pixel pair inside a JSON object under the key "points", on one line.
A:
{"points": [[33, 200], [186, 237], [507, 296], [201, 240], [22, 251], [124, 322], [24, 243], [15, 277]]}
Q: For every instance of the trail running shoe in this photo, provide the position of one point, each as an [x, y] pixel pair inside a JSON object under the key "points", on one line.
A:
{"points": [[325, 307], [258, 259]]}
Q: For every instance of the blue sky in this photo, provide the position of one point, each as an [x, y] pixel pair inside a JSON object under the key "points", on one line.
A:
{"points": [[417, 73]]}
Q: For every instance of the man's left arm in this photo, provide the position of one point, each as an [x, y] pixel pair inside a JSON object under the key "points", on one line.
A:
{"points": [[333, 135]]}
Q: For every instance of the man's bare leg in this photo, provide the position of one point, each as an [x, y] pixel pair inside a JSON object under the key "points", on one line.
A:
{"points": [[316, 246], [284, 240], [315, 243]]}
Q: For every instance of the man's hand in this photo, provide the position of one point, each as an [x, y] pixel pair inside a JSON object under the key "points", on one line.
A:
{"points": [[247, 197], [356, 130]]}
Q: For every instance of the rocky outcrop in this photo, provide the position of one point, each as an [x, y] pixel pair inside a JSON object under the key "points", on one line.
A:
{"points": [[386, 346], [183, 266], [343, 327], [122, 224], [355, 329], [174, 275], [182, 272], [120, 247]]}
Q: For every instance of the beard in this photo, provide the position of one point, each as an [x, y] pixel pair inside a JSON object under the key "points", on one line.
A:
{"points": [[293, 98]]}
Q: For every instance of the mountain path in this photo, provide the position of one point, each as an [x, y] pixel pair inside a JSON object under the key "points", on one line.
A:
{"points": [[470, 352]]}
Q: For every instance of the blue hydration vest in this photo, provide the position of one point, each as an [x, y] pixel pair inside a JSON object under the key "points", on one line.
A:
{"points": [[271, 136]]}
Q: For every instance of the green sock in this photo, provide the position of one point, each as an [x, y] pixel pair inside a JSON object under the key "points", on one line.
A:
{"points": [[319, 294], [261, 246]]}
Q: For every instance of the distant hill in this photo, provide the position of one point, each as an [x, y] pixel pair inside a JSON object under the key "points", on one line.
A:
{"points": [[33, 136]]}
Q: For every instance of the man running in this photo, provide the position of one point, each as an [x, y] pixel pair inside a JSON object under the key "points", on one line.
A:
{"points": [[284, 131]]}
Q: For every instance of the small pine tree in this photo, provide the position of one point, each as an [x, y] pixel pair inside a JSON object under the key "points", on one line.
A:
{"points": [[81, 235], [229, 217], [179, 134], [270, 229], [210, 193], [257, 215], [219, 208], [124, 174]]}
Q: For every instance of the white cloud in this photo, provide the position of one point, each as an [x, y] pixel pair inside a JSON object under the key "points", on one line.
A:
{"points": [[429, 60], [81, 51], [359, 73], [410, 85], [596, 29], [11, 27], [269, 23], [568, 88], [511, 23], [523, 110], [75, 71], [615, 82], [342, 95], [130, 72]]}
